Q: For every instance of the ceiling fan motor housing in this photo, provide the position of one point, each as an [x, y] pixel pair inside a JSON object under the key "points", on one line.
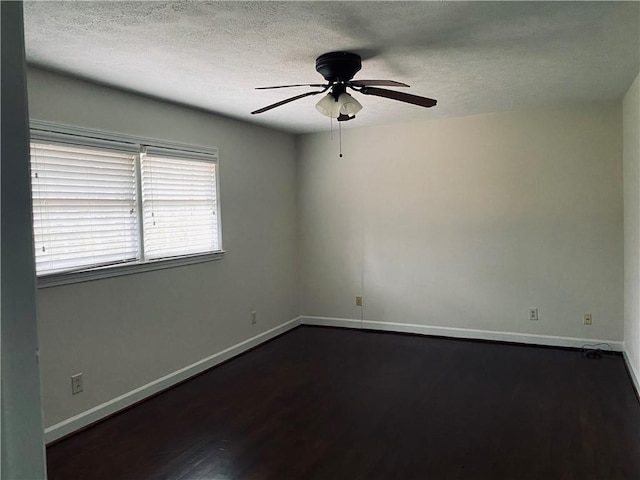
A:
{"points": [[338, 66]]}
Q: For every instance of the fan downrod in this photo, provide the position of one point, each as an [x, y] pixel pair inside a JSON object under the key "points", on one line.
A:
{"points": [[338, 67]]}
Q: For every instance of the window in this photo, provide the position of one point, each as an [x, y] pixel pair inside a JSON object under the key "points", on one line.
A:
{"points": [[101, 201], [84, 207], [179, 206]]}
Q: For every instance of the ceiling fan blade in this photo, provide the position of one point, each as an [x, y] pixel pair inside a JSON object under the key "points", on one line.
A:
{"points": [[377, 83], [400, 96], [297, 85], [282, 102]]}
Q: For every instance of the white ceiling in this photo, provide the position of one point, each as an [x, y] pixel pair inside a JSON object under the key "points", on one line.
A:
{"points": [[473, 57]]}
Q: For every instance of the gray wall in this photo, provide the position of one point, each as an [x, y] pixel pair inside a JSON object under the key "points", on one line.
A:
{"points": [[127, 331], [22, 447], [631, 141], [469, 222]]}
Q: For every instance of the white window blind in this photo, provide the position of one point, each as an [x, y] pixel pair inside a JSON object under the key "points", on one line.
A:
{"points": [[179, 205], [84, 207]]}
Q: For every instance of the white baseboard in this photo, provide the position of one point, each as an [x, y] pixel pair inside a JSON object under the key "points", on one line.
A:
{"points": [[452, 332], [103, 410], [632, 371]]}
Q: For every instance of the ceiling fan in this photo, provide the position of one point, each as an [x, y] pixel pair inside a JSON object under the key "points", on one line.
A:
{"points": [[338, 69]]}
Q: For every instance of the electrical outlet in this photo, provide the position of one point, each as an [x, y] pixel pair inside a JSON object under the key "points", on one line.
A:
{"points": [[253, 317], [358, 301], [533, 314], [76, 383], [586, 319]]}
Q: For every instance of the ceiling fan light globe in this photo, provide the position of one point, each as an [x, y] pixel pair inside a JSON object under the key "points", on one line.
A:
{"points": [[348, 105], [328, 106]]}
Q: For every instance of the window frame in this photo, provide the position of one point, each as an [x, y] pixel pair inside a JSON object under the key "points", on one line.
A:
{"points": [[43, 131]]}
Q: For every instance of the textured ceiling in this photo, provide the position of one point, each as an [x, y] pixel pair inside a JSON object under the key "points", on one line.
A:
{"points": [[474, 57]]}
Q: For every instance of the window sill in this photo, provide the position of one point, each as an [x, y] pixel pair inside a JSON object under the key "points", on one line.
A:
{"points": [[57, 279]]}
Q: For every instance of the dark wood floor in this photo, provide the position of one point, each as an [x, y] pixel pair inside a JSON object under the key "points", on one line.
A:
{"points": [[320, 403]]}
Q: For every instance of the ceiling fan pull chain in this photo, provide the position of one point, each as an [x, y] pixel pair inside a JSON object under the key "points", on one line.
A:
{"points": [[340, 135]]}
